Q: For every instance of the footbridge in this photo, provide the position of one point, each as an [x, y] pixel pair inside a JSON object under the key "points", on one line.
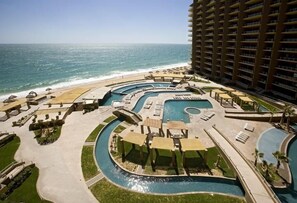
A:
{"points": [[256, 189]]}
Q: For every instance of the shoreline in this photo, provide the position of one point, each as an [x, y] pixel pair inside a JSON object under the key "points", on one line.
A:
{"points": [[93, 82]]}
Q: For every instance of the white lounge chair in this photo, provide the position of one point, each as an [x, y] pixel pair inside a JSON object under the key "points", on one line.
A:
{"points": [[241, 137], [249, 127]]}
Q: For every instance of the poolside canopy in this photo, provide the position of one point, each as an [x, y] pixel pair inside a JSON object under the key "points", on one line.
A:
{"points": [[192, 145], [217, 92], [237, 95], [225, 97], [152, 123], [177, 125], [134, 139], [162, 143], [228, 89], [245, 99], [16, 105]]}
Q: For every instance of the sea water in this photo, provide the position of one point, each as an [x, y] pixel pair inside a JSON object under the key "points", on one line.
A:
{"points": [[26, 67]]}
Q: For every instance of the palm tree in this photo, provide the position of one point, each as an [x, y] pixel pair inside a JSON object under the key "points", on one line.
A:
{"points": [[280, 157], [285, 110], [257, 155], [267, 169], [290, 111]]}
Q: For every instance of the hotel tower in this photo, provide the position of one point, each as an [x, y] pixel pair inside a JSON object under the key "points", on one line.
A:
{"points": [[249, 43]]}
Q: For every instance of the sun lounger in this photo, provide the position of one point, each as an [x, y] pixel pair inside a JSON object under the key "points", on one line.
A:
{"points": [[157, 112], [207, 116], [148, 105], [241, 137], [249, 127]]}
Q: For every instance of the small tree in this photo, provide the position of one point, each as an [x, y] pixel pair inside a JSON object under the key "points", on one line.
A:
{"points": [[272, 112], [267, 169], [280, 157], [257, 155], [290, 112], [285, 110]]}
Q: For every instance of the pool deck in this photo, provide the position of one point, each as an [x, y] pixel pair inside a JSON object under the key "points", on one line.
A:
{"points": [[61, 178]]}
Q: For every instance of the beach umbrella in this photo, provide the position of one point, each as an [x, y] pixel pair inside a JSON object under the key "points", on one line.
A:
{"points": [[8, 100], [33, 93], [30, 96], [48, 90], [11, 97]]}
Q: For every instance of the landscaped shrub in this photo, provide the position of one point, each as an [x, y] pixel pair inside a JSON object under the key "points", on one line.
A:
{"points": [[16, 182]]}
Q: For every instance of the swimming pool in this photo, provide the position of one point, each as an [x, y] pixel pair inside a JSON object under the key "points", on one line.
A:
{"points": [[119, 93], [174, 109], [192, 110], [270, 142], [160, 185]]}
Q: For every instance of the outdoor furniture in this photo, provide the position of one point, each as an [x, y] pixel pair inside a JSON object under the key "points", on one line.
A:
{"points": [[249, 127], [241, 137]]}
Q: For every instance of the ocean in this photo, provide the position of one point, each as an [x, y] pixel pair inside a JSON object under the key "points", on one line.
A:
{"points": [[26, 67]]}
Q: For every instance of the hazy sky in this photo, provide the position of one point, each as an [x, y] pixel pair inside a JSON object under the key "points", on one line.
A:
{"points": [[94, 21]]}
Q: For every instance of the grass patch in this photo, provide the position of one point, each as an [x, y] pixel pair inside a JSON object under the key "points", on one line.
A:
{"points": [[88, 165], [119, 129], [207, 89], [267, 105], [109, 119], [92, 137], [7, 152], [199, 80], [27, 192], [49, 137], [104, 191]]}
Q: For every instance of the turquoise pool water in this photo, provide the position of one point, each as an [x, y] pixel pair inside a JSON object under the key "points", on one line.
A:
{"points": [[174, 109], [131, 88], [160, 185], [289, 195], [119, 93], [192, 110], [269, 142]]}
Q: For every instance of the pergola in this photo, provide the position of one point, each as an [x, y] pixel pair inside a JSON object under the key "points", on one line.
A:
{"points": [[217, 92], [237, 94], [168, 75], [177, 125], [16, 105], [152, 123], [162, 143], [225, 97], [229, 90], [245, 99], [134, 139], [192, 145]]}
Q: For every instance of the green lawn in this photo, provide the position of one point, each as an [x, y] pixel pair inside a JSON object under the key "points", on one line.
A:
{"points": [[88, 165], [92, 137], [50, 138], [109, 119], [7, 152], [27, 191], [267, 105], [104, 191], [119, 129]]}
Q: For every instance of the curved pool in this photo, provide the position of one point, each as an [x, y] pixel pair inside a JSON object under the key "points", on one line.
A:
{"points": [[270, 142], [160, 185]]}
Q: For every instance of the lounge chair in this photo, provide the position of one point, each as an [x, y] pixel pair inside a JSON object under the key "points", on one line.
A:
{"points": [[157, 112], [241, 137], [249, 127]]}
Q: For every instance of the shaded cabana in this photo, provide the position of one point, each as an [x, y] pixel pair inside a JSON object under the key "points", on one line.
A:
{"points": [[192, 145], [247, 100], [16, 105], [177, 125], [229, 89], [237, 95], [217, 92], [152, 123], [163, 144], [225, 97], [134, 139]]}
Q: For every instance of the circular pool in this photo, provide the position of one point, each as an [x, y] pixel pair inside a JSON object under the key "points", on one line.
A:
{"points": [[192, 110]]}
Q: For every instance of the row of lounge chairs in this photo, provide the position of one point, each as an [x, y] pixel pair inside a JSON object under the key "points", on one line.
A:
{"points": [[207, 116], [158, 108], [148, 105], [186, 98]]}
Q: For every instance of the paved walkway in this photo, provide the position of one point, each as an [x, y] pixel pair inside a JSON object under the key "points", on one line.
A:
{"points": [[94, 180], [250, 181]]}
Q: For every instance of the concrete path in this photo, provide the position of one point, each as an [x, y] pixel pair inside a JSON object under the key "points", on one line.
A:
{"points": [[94, 180], [250, 181]]}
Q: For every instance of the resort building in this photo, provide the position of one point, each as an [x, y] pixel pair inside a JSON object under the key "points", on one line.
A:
{"points": [[249, 43]]}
